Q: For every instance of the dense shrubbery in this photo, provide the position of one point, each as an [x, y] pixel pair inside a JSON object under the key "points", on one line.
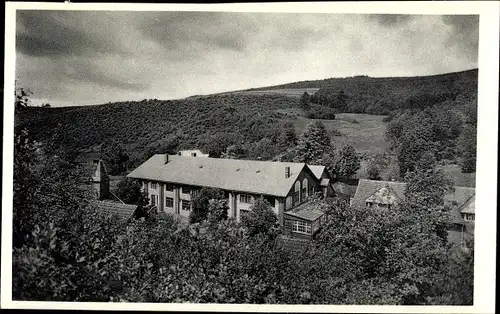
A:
{"points": [[445, 130], [71, 252]]}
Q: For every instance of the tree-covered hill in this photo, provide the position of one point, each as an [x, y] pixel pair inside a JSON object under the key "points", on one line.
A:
{"points": [[257, 125], [381, 95], [142, 128]]}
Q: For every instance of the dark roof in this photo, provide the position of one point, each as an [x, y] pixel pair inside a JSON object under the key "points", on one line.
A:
{"points": [[259, 177], [306, 211], [344, 189], [123, 211]]}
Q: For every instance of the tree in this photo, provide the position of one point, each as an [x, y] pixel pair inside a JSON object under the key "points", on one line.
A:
{"points": [[201, 203], [286, 138], [305, 101], [130, 192], [21, 97], [312, 144], [261, 219], [348, 161], [115, 158], [467, 144], [373, 171], [217, 210]]}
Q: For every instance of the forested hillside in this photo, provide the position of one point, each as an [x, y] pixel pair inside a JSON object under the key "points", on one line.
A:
{"points": [[142, 128], [363, 94], [259, 125]]}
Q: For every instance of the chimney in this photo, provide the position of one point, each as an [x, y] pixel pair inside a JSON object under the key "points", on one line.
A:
{"points": [[100, 181], [166, 158], [287, 172]]}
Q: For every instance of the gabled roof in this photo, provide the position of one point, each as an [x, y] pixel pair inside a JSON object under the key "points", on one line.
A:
{"points": [[317, 170], [251, 176], [123, 211], [374, 189]]}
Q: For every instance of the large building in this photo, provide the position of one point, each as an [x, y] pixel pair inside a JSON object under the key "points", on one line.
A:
{"points": [[386, 194], [171, 182]]}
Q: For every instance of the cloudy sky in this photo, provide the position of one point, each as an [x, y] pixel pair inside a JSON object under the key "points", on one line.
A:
{"points": [[92, 57]]}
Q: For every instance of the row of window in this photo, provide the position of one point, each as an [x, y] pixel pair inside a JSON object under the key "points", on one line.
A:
{"points": [[170, 188], [469, 217], [298, 226], [169, 202]]}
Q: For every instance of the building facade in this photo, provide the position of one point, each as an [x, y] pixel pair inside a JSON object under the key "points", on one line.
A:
{"points": [[172, 181]]}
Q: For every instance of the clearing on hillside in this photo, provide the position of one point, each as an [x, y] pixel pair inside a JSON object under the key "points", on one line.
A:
{"points": [[365, 132]]}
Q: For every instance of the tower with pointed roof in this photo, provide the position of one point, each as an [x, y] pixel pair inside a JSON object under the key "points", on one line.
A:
{"points": [[100, 181]]}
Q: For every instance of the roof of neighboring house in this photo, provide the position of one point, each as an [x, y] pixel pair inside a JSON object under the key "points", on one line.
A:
{"points": [[123, 211], [344, 189], [251, 176], [305, 211], [317, 170], [385, 195], [373, 189], [460, 198], [469, 206]]}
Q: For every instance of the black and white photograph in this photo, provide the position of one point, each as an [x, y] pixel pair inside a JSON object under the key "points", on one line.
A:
{"points": [[229, 155]]}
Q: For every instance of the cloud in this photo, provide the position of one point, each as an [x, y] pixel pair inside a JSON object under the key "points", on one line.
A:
{"points": [[464, 34], [187, 30], [53, 33], [100, 56], [391, 19]]}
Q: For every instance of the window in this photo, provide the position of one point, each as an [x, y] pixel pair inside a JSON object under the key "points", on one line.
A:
{"points": [[288, 223], [296, 194], [186, 205], [169, 187], [186, 190], [153, 200], [301, 226], [153, 185], [305, 184], [195, 193], [169, 202], [245, 198], [469, 217]]}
